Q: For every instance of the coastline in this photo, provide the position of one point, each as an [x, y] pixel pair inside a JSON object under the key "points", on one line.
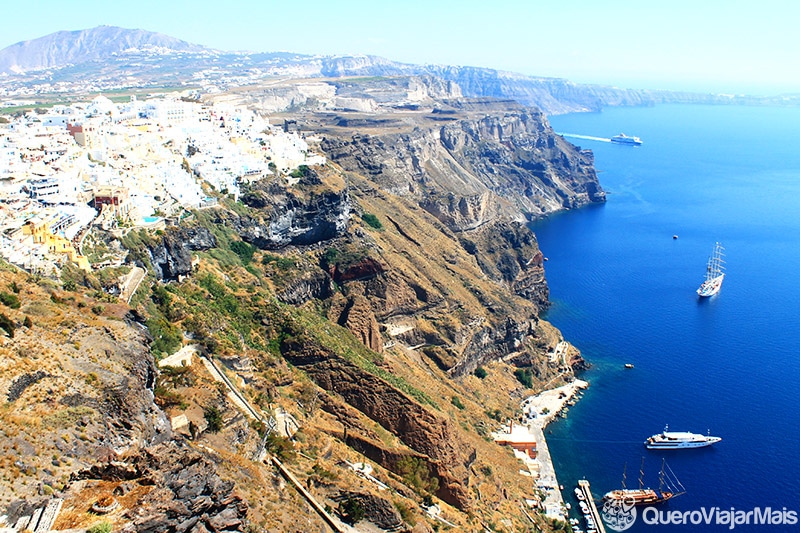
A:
{"points": [[539, 411]]}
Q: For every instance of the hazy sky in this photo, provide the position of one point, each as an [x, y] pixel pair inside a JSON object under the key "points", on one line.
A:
{"points": [[723, 46]]}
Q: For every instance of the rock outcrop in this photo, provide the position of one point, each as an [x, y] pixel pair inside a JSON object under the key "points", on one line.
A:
{"points": [[294, 216], [419, 428], [171, 257], [185, 492], [79, 387], [356, 314], [377, 510]]}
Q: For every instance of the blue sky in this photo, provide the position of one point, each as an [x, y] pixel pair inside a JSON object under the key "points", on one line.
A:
{"points": [[723, 46]]}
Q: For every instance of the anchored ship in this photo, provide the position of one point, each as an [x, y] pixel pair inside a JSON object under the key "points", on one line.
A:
{"points": [[624, 139], [668, 487], [714, 274], [676, 440]]}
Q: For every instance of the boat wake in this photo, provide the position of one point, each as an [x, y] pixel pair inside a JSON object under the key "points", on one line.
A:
{"points": [[588, 137]]}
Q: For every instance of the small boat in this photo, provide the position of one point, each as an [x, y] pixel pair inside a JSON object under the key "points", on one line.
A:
{"points": [[674, 237], [714, 274], [628, 365], [625, 139], [676, 440], [579, 494], [669, 487]]}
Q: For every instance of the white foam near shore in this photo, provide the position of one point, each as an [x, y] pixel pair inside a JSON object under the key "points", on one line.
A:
{"points": [[538, 411], [543, 407]]}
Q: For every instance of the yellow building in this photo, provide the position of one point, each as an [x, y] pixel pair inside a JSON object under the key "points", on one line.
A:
{"points": [[42, 233]]}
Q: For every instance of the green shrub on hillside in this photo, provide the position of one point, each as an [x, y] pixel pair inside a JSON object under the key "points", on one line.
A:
{"points": [[167, 338], [372, 220], [283, 263], [351, 510], [523, 375], [10, 300], [7, 325], [416, 474], [244, 250], [100, 527], [213, 418]]}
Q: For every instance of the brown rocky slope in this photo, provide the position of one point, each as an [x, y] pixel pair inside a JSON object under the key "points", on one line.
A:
{"points": [[412, 267]]}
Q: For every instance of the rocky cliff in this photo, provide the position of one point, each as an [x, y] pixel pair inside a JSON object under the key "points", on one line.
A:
{"points": [[301, 216], [349, 305], [171, 256], [472, 162], [422, 430], [182, 490]]}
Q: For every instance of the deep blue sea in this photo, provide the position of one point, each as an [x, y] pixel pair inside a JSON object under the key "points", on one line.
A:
{"points": [[623, 291]]}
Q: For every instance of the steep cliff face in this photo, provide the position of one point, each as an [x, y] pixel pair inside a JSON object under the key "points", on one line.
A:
{"points": [[297, 222], [307, 214], [171, 257], [475, 167], [356, 314], [77, 387], [419, 428]]}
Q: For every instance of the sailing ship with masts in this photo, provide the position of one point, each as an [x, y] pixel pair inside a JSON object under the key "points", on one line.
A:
{"points": [[668, 487], [714, 274]]}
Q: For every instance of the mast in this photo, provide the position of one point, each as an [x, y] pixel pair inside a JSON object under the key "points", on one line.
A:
{"points": [[717, 261], [672, 479], [641, 475], [624, 475]]}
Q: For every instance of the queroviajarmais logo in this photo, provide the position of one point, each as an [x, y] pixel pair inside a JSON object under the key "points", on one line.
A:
{"points": [[620, 514]]}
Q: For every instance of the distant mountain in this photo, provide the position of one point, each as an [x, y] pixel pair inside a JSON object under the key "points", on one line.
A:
{"points": [[65, 48], [111, 58]]}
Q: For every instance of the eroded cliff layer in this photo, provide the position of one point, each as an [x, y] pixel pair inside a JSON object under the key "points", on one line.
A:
{"points": [[468, 162]]}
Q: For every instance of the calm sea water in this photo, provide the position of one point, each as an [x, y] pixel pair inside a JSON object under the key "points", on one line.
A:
{"points": [[623, 291]]}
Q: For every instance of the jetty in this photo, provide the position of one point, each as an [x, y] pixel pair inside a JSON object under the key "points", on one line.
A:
{"points": [[530, 445], [587, 492]]}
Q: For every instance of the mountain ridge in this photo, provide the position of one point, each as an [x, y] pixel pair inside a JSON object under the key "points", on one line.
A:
{"points": [[62, 48], [112, 58]]}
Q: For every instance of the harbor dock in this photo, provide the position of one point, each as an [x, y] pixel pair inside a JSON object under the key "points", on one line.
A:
{"points": [[530, 444], [587, 492]]}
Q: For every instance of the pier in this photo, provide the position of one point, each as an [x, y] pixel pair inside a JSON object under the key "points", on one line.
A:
{"points": [[538, 411], [587, 492]]}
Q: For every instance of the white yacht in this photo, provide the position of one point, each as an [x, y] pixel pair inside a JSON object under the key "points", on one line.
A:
{"points": [[675, 440]]}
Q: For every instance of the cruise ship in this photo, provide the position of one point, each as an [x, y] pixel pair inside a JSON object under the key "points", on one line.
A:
{"points": [[677, 440], [624, 139]]}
